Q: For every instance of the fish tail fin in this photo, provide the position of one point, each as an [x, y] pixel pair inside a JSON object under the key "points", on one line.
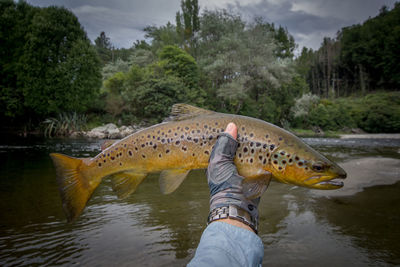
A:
{"points": [[75, 188]]}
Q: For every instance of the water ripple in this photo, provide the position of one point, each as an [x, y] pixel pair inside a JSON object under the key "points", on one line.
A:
{"points": [[150, 229]]}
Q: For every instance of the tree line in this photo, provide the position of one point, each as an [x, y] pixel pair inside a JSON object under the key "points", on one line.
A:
{"points": [[362, 58], [214, 60]]}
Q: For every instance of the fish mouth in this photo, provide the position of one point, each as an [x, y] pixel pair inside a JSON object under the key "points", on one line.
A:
{"points": [[333, 182], [327, 182]]}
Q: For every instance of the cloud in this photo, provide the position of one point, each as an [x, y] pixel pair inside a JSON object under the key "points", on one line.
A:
{"points": [[309, 21], [122, 20], [125, 21], [122, 27]]}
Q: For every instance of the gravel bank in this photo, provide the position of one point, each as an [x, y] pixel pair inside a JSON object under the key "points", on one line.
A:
{"points": [[370, 136]]}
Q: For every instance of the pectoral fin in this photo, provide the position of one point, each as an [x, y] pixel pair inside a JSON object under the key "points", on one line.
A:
{"points": [[125, 183], [255, 186], [170, 180]]}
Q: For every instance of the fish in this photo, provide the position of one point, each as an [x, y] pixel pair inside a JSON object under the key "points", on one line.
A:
{"points": [[184, 142]]}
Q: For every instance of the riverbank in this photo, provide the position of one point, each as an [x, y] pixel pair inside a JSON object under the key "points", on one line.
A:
{"points": [[345, 135], [108, 131], [370, 136], [111, 131]]}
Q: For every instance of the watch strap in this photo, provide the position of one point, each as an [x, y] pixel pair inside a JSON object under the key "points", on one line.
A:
{"points": [[235, 213]]}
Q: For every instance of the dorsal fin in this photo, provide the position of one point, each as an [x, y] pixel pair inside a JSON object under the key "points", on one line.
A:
{"points": [[184, 111], [107, 144]]}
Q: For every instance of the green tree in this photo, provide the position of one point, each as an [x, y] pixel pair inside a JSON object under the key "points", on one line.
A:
{"points": [[362, 58], [162, 36], [188, 23], [148, 90], [370, 51], [240, 60], [112, 68], [141, 44], [114, 86], [177, 62], [154, 97], [286, 44], [141, 57], [104, 48], [15, 19], [103, 41], [59, 69]]}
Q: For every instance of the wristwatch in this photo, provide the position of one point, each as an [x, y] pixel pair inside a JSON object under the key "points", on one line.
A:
{"points": [[235, 213]]}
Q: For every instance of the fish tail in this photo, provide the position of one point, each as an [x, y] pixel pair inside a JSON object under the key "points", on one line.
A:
{"points": [[75, 188]]}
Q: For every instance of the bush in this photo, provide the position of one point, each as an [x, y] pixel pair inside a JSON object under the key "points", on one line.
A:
{"points": [[322, 116], [64, 124], [380, 112], [375, 113], [268, 110], [301, 109], [155, 98]]}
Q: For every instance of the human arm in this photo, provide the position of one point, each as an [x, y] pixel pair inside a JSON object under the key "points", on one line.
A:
{"points": [[228, 241]]}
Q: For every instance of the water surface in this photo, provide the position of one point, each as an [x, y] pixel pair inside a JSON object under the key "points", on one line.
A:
{"points": [[298, 226]]}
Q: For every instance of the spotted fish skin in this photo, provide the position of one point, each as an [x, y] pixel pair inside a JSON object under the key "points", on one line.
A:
{"points": [[185, 143], [173, 145]]}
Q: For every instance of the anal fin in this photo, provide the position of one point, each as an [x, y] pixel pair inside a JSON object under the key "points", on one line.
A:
{"points": [[170, 180], [125, 183], [255, 186]]}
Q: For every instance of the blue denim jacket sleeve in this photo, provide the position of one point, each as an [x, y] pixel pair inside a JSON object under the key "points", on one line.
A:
{"points": [[223, 244]]}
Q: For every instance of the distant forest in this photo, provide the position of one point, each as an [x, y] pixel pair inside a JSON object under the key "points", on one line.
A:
{"points": [[53, 76], [362, 58]]}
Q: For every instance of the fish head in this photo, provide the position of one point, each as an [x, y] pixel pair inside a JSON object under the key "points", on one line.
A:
{"points": [[301, 165]]}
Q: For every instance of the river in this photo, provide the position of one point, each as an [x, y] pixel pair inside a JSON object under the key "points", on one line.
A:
{"points": [[299, 227]]}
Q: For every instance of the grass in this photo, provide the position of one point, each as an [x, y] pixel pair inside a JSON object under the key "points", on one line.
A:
{"points": [[64, 124]]}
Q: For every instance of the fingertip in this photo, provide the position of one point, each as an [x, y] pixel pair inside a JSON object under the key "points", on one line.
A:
{"points": [[231, 129]]}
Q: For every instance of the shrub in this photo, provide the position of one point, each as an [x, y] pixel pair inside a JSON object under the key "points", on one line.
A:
{"points": [[377, 112], [380, 112], [64, 124]]}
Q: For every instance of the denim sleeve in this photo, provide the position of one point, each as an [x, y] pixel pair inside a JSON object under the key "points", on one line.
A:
{"points": [[223, 244]]}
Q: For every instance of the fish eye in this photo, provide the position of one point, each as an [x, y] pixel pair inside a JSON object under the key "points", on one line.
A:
{"points": [[318, 167]]}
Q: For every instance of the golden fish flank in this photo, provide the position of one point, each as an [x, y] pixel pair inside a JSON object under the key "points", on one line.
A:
{"points": [[265, 151]]}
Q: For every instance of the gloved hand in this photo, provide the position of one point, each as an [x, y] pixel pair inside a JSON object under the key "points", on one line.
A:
{"points": [[224, 181]]}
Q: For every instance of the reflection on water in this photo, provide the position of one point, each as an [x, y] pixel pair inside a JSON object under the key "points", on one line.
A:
{"points": [[304, 240], [298, 228], [371, 218]]}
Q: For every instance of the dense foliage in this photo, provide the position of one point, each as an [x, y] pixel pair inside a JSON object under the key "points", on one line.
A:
{"points": [[148, 92], [216, 60], [48, 63], [51, 73], [377, 112]]}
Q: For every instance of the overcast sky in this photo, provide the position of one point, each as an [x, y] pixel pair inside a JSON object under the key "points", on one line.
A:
{"points": [[309, 21]]}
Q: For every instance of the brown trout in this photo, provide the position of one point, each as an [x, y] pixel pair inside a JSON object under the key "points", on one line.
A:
{"points": [[184, 143]]}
